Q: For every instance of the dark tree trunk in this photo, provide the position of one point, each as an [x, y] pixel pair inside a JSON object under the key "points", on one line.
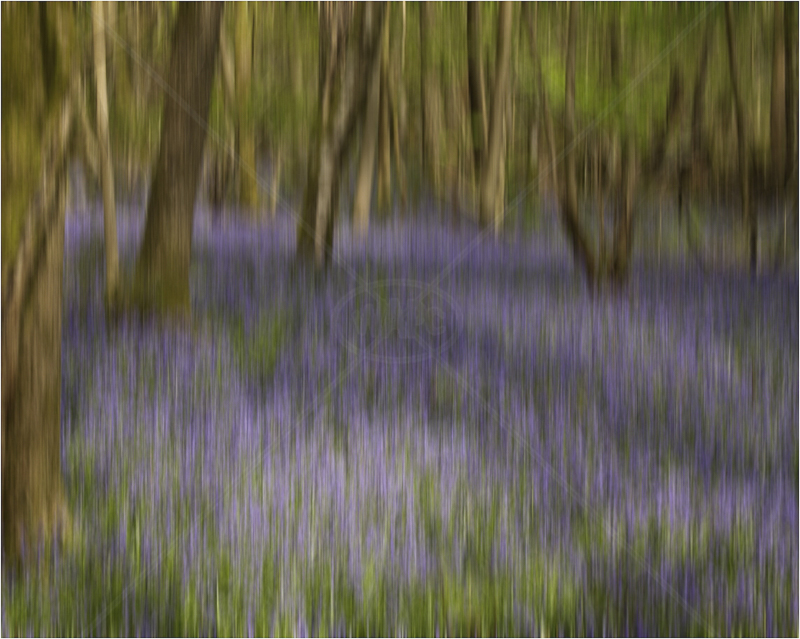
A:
{"points": [[477, 101], [581, 248], [623, 224], [697, 153], [790, 42], [742, 133], [162, 271], [777, 122]]}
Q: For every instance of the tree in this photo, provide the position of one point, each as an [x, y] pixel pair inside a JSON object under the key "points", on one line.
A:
{"points": [[790, 42], [477, 101], [335, 118], [245, 129], [369, 139], [568, 192], [37, 125], [742, 140], [429, 90], [107, 175], [490, 210], [777, 120], [162, 270]]}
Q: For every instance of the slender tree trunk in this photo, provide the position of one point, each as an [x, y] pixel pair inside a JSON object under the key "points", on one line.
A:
{"points": [[430, 99], [248, 182], [109, 207], [742, 133], [477, 101], [384, 133], [579, 241], [276, 185], [790, 42], [369, 139], [777, 124], [162, 271], [320, 204], [395, 87], [490, 212], [697, 153]]}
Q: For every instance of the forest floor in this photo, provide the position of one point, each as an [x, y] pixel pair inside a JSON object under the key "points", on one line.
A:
{"points": [[444, 434]]}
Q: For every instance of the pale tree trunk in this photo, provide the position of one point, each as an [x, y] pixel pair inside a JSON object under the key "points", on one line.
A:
{"points": [[224, 157], [490, 174], [336, 121], [477, 100], [276, 184], [162, 271], [384, 132], [395, 85], [777, 123], [248, 182], [742, 135], [369, 138], [33, 503], [109, 207], [532, 157]]}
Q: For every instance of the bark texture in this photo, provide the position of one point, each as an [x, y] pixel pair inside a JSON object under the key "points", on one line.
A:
{"points": [[369, 140], [777, 121], [491, 211], [244, 45], [337, 117], [107, 175], [162, 271], [33, 503], [578, 238], [742, 138], [477, 100]]}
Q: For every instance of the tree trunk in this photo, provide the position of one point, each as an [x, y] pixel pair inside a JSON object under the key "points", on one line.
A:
{"points": [[248, 182], [395, 87], [777, 123], [33, 504], [790, 59], [369, 138], [623, 224], [384, 133], [162, 271], [430, 99], [490, 212], [741, 132], [315, 233], [581, 247], [109, 208], [477, 101]]}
